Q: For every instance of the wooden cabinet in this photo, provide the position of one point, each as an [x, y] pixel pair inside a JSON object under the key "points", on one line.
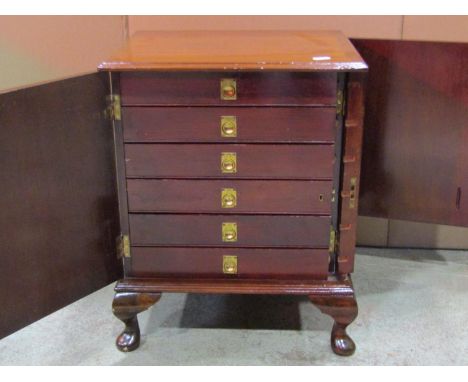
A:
{"points": [[295, 125], [238, 168]]}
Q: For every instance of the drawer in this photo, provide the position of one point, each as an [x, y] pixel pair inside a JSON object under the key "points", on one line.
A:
{"points": [[224, 124], [211, 263], [246, 88], [229, 196], [229, 161], [229, 230]]}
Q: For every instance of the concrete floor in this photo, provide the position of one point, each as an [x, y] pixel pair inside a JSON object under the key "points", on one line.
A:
{"points": [[413, 310]]}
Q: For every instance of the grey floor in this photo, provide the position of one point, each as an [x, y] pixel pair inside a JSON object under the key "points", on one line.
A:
{"points": [[413, 310]]}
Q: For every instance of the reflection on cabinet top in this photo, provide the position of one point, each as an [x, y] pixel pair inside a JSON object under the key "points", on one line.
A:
{"points": [[237, 50]]}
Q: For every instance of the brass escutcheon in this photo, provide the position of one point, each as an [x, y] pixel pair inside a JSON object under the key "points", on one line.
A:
{"points": [[229, 232], [228, 126], [228, 198], [228, 89], [228, 163], [352, 192], [230, 265]]}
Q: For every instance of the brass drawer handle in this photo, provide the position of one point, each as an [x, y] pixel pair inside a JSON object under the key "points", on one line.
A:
{"points": [[228, 89], [228, 198], [228, 126], [230, 265], [228, 163], [229, 232]]}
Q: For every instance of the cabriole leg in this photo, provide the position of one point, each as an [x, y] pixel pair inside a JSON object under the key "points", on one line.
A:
{"points": [[343, 309], [126, 306]]}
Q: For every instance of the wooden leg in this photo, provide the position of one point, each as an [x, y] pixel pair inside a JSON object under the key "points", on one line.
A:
{"points": [[126, 306], [343, 309]]}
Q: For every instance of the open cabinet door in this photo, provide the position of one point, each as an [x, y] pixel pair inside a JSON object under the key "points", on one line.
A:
{"points": [[415, 148], [59, 214]]}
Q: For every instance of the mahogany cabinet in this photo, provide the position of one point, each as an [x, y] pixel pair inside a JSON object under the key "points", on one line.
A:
{"points": [[297, 168], [59, 202], [238, 162]]}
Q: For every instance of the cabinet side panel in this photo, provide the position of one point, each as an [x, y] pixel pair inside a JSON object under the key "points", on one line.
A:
{"points": [[59, 214], [349, 190]]}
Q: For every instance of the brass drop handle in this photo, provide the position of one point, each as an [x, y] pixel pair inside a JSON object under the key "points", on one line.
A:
{"points": [[228, 126], [230, 264], [228, 163], [229, 232], [229, 268], [228, 88], [229, 91], [228, 198], [229, 235]]}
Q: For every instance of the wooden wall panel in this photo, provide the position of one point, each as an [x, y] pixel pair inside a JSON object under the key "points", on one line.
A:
{"points": [[59, 215], [414, 155]]}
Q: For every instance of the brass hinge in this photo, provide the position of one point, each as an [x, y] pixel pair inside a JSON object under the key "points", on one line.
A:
{"points": [[113, 107], [123, 246], [333, 244], [340, 103]]}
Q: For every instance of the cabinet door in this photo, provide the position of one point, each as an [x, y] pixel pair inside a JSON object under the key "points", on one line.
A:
{"points": [[415, 153], [59, 216]]}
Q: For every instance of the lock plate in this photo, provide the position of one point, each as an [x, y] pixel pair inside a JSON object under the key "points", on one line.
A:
{"points": [[228, 198], [230, 265], [229, 232]]}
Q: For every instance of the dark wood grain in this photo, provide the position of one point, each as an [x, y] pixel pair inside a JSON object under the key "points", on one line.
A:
{"points": [[253, 88], [252, 231], [59, 215], [414, 155], [236, 50], [253, 161], [333, 286], [252, 196], [351, 166], [202, 124], [342, 307], [125, 307], [208, 262]]}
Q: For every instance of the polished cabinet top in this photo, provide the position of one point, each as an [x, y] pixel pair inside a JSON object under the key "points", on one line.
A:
{"points": [[237, 50]]}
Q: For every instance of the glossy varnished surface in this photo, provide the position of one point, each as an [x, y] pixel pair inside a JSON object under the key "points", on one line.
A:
{"points": [[252, 196], [253, 161], [252, 230], [252, 88], [236, 50], [254, 263], [333, 286], [254, 124]]}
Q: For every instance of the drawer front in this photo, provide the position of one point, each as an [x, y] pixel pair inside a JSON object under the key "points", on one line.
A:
{"points": [[229, 161], [208, 262], [248, 88], [229, 196], [229, 230], [223, 124]]}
